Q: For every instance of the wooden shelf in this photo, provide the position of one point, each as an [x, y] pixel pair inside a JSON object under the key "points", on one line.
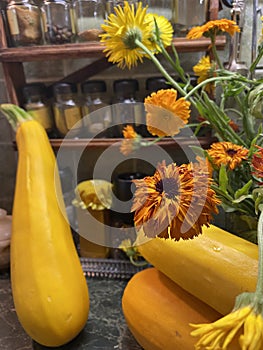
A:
{"points": [[91, 49], [177, 142]]}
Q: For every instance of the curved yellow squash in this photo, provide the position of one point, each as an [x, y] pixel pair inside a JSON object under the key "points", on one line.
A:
{"points": [[49, 289], [158, 312], [215, 266]]}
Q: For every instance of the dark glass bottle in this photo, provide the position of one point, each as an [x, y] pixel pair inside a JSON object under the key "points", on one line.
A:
{"points": [[154, 84]]}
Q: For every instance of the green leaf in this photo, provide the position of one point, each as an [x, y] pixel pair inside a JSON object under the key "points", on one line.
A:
{"points": [[242, 198], [223, 179], [243, 191]]}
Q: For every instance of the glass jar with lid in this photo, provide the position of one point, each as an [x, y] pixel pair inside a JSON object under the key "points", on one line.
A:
{"points": [[67, 109], [160, 7], [127, 109], [24, 23], [111, 4], [95, 108], [58, 20], [36, 103], [89, 16], [187, 14]]}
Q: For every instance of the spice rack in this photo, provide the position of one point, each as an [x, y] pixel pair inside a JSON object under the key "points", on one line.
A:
{"points": [[12, 60]]}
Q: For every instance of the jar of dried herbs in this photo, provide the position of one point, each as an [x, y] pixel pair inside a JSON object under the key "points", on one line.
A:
{"points": [[24, 22], [58, 19]]}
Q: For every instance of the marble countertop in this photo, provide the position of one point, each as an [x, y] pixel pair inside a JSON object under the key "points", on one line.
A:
{"points": [[105, 330]]}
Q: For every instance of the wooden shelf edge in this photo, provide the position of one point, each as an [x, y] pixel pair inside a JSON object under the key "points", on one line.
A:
{"points": [[91, 49], [177, 142]]}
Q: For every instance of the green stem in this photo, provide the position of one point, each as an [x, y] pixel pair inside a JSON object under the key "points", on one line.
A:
{"points": [[160, 67], [214, 50], [205, 82], [257, 59], [259, 288], [138, 263], [150, 143], [14, 114]]}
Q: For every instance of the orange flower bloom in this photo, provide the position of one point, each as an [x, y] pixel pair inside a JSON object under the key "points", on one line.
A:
{"points": [[165, 115], [129, 133], [228, 154], [175, 202], [257, 163], [234, 125], [212, 28], [131, 140]]}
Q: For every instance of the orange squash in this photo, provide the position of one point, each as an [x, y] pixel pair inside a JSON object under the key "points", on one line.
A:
{"points": [[215, 266], [158, 312]]}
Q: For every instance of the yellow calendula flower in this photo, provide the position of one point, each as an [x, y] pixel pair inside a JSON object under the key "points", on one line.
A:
{"points": [[175, 202], [163, 32], [123, 30], [227, 153], [212, 28], [220, 334], [165, 114], [205, 69]]}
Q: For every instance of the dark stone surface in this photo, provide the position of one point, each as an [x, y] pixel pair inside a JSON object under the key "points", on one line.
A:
{"points": [[105, 330]]}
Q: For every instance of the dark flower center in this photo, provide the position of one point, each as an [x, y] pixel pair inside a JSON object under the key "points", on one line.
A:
{"points": [[169, 186], [231, 152]]}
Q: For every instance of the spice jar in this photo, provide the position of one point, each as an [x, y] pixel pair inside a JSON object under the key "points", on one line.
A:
{"points": [[24, 22], [126, 107], [187, 14], [89, 15], [36, 103], [95, 110], [154, 84], [111, 4], [67, 110], [58, 22], [160, 7]]}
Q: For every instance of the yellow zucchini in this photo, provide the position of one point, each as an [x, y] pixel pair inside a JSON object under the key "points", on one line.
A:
{"points": [[49, 289], [215, 266], [158, 312]]}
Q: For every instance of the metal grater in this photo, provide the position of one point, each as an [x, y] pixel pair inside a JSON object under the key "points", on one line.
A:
{"points": [[109, 268]]}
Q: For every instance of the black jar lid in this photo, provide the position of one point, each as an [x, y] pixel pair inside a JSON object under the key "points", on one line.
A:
{"points": [[126, 86], [34, 89], [156, 83], [92, 86], [64, 88]]}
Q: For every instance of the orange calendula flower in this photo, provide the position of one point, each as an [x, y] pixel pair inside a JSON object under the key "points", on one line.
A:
{"points": [[165, 115], [175, 202], [129, 133], [227, 153], [204, 69], [257, 163], [212, 28], [131, 140]]}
